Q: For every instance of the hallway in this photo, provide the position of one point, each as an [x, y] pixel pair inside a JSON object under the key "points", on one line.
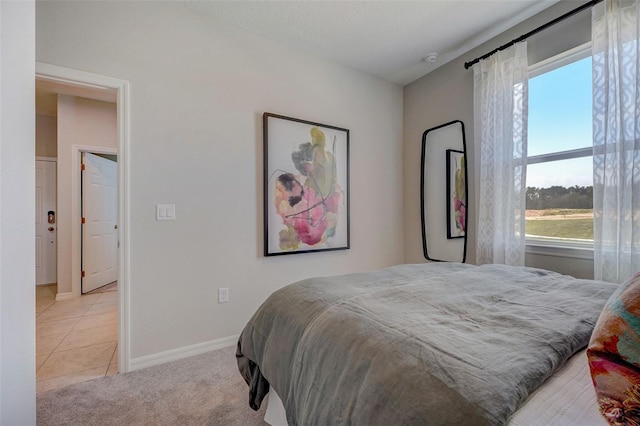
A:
{"points": [[76, 339]]}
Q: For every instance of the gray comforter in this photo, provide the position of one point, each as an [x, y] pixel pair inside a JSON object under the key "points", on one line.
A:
{"points": [[428, 344]]}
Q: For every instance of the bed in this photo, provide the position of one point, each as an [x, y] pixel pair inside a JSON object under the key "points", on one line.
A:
{"points": [[435, 343]]}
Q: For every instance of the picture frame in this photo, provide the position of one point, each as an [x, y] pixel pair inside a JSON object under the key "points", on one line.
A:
{"points": [[456, 194], [306, 186]]}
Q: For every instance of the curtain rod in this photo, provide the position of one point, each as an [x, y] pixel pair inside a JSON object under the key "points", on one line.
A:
{"points": [[523, 37]]}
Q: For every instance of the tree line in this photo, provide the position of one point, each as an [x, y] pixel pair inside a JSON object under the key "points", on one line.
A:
{"points": [[559, 197]]}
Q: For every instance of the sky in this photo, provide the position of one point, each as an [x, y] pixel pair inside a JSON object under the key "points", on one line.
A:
{"points": [[560, 119]]}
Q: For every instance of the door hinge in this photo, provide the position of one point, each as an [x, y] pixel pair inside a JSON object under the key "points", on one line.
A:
{"points": [[82, 274], [83, 220], [82, 167]]}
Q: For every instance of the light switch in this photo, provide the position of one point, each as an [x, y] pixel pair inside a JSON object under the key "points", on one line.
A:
{"points": [[165, 212]]}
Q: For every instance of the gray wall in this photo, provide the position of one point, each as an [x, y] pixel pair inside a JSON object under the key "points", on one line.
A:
{"points": [[198, 91], [447, 94]]}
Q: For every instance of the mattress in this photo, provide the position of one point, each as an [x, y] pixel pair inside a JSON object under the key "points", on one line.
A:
{"points": [[566, 399]]}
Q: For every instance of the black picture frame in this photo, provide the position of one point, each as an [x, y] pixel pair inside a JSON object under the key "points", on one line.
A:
{"points": [[306, 186]]}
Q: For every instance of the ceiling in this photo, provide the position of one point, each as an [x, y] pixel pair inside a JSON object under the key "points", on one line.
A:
{"points": [[47, 95], [387, 39]]}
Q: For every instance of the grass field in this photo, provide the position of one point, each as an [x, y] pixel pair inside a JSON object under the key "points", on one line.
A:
{"points": [[570, 228], [564, 212], [560, 223]]}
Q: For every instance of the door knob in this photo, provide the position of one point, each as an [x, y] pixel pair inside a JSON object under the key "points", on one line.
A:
{"points": [[51, 228]]}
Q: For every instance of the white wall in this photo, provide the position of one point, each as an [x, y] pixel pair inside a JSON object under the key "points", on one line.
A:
{"points": [[87, 123], [198, 91], [17, 217], [46, 136], [447, 94]]}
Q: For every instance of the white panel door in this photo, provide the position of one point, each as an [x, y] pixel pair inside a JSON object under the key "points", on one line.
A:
{"points": [[99, 229], [46, 222]]}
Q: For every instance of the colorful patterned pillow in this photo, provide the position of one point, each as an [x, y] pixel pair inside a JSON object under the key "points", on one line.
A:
{"points": [[614, 355]]}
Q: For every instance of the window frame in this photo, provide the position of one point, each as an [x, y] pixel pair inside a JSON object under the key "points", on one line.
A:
{"points": [[571, 249]]}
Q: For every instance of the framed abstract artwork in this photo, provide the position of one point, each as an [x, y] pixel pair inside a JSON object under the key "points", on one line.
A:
{"points": [[456, 194], [306, 186]]}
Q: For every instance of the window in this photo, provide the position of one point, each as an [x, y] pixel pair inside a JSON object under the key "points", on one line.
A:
{"points": [[560, 151]]}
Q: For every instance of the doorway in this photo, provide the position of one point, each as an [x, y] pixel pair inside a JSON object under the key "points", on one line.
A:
{"points": [[76, 336], [78, 83]]}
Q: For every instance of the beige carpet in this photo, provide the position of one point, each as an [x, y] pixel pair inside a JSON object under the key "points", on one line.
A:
{"points": [[202, 390]]}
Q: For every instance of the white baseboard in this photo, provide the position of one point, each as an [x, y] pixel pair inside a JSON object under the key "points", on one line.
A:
{"points": [[64, 296], [180, 353]]}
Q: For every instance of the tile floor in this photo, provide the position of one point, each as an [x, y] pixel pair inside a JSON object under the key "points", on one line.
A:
{"points": [[76, 339]]}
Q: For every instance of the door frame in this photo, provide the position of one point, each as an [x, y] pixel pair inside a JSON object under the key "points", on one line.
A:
{"points": [[82, 79]]}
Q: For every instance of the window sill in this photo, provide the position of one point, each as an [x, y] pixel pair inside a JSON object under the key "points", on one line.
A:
{"points": [[570, 249]]}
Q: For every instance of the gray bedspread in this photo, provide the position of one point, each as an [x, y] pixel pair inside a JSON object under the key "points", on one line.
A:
{"points": [[427, 344]]}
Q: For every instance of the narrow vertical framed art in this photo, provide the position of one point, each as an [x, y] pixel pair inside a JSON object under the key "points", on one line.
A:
{"points": [[456, 194], [306, 186]]}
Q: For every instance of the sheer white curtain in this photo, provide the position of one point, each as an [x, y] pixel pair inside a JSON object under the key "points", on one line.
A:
{"points": [[500, 128], [616, 139]]}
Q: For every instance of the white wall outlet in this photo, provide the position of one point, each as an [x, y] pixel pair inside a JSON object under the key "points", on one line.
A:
{"points": [[165, 212], [223, 295]]}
